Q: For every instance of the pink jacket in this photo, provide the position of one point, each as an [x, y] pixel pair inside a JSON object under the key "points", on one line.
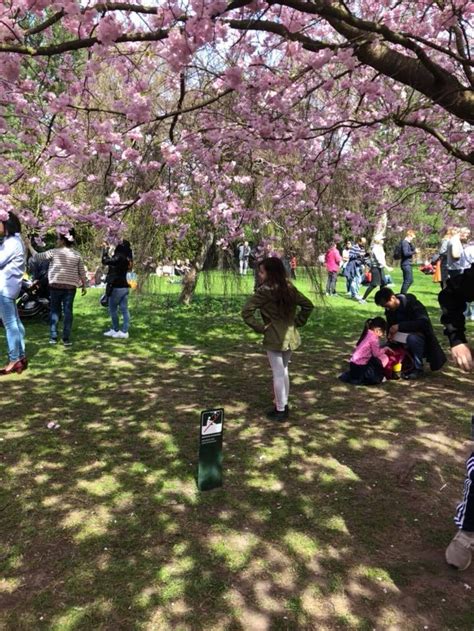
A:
{"points": [[332, 260], [369, 347]]}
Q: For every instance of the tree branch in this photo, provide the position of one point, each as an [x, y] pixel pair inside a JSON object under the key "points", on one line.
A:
{"points": [[465, 157]]}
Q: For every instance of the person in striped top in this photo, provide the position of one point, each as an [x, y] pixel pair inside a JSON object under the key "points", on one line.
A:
{"points": [[66, 273]]}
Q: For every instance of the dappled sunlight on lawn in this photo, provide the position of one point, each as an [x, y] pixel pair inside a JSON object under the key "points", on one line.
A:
{"points": [[322, 520]]}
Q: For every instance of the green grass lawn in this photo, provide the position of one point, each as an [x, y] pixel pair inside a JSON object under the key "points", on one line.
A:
{"points": [[337, 519]]}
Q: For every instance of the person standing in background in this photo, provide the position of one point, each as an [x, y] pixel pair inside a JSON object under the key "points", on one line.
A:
{"points": [[66, 273], [355, 268], [117, 288], [441, 269], [455, 260], [458, 292], [332, 261], [406, 260], [244, 254], [345, 259], [12, 268], [377, 265]]}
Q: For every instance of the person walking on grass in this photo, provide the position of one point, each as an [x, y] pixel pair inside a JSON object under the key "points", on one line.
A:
{"points": [[378, 264], [459, 291], [117, 288], [354, 269], [332, 261], [277, 300], [12, 268], [66, 273]]}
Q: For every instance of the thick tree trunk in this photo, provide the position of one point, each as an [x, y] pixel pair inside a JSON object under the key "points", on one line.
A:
{"points": [[190, 279], [381, 226], [220, 259]]}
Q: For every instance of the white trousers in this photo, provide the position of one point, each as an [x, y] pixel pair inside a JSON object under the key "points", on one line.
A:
{"points": [[279, 361]]}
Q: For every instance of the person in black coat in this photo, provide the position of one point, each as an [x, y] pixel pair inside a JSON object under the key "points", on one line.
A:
{"points": [[458, 292], [117, 289], [406, 314], [453, 299]]}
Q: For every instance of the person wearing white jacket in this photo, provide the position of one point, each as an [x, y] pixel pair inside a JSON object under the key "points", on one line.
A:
{"points": [[12, 268], [378, 263]]}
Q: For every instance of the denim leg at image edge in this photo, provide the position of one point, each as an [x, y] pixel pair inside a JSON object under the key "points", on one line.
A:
{"points": [[14, 329], [123, 305], [416, 346], [56, 299], [68, 313]]}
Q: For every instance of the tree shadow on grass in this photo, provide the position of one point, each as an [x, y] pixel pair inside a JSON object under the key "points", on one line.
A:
{"points": [[335, 520]]}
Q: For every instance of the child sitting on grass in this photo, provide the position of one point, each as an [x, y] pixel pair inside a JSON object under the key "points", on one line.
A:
{"points": [[366, 366]]}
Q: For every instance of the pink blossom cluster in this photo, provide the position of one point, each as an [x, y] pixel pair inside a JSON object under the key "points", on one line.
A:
{"points": [[199, 108]]}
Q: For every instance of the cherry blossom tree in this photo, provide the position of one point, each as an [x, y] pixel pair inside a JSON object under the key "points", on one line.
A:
{"points": [[246, 110]]}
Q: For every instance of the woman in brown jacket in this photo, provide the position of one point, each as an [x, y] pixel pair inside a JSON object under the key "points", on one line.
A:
{"points": [[277, 300]]}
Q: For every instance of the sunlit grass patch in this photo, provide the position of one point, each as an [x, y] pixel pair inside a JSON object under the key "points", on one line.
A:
{"points": [[104, 485], [104, 525], [301, 545], [233, 547]]}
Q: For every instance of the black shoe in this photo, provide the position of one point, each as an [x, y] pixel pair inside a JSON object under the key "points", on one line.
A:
{"points": [[275, 415], [413, 375]]}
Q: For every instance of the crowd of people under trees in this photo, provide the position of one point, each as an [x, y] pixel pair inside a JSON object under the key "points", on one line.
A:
{"points": [[389, 347]]}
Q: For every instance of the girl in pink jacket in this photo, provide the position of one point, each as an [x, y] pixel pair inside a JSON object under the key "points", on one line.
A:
{"points": [[368, 359]]}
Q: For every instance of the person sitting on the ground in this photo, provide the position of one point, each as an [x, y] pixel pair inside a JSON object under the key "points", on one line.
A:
{"points": [[366, 366], [427, 268], [453, 299], [406, 314]]}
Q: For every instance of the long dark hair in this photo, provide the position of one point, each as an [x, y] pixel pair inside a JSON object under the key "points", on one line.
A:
{"points": [[11, 225], [370, 324], [282, 290]]}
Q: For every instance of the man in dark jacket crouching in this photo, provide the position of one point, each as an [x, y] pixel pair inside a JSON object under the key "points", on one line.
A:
{"points": [[406, 314]]}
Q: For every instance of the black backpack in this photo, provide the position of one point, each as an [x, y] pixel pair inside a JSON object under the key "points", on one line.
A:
{"points": [[397, 252]]}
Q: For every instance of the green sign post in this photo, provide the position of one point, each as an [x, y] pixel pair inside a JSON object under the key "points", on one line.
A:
{"points": [[210, 449]]}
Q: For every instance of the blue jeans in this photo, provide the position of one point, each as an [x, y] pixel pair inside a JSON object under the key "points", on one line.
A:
{"points": [[118, 299], [407, 278], [416, 347], [61, 301], [355, 284], [14, 329]]}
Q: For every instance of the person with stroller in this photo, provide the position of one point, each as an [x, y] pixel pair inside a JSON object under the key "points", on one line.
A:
{"points": [[117, 287], [12, 268]]}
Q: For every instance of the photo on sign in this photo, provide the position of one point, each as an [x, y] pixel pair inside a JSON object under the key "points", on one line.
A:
{"points": [[212, 423]]}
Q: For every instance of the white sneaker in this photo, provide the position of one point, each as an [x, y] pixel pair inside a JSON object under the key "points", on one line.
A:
{"points": [[121, 335], [110, 333]]}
